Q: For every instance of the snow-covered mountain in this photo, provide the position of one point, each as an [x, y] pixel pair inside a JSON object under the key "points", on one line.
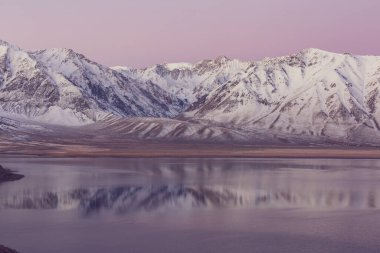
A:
{"points": [[189, 82], [314, 93], [63, 87]]}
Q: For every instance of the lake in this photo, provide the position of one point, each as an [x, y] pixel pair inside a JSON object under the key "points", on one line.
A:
{"points": [[191, 205]]}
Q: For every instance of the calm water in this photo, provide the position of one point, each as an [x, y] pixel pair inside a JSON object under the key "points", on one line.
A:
{"points": [[191, 205]]}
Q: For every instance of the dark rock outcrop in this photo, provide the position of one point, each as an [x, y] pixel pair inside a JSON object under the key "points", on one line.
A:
{"points": [[8, 175], [4, 249]]}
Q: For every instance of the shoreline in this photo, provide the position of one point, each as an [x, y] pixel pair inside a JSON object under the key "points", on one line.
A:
{"points": [[196, 151]]}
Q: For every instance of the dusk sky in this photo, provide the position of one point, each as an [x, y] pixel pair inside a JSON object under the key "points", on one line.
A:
{"points": [[139, 33]]}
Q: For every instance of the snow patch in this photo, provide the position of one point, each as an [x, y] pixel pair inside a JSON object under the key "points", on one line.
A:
{"points": [[58, 116]]}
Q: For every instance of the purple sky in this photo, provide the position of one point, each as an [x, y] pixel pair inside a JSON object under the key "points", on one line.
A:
{"points": [[144, 32]]}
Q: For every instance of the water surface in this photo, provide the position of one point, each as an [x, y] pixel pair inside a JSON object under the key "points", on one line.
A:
{"points": [[191, 205]]}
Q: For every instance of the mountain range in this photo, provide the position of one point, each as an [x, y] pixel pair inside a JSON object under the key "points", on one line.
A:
{"points": [[311, 97]]}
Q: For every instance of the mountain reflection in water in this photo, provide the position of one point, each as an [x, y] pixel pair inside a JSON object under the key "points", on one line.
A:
{"points": [[146, 185], [128, 199]]}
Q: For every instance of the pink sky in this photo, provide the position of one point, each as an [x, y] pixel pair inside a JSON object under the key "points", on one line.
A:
{"points": [[140, 33]]}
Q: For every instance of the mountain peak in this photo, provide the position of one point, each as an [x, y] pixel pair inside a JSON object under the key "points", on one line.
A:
{"points": [[62, 52], [180, 65], [315, 51], [3, 43], [222, 59], [7, 44]]}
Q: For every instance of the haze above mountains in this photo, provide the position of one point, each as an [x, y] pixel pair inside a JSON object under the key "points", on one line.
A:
{"points": [[313, 96]]}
